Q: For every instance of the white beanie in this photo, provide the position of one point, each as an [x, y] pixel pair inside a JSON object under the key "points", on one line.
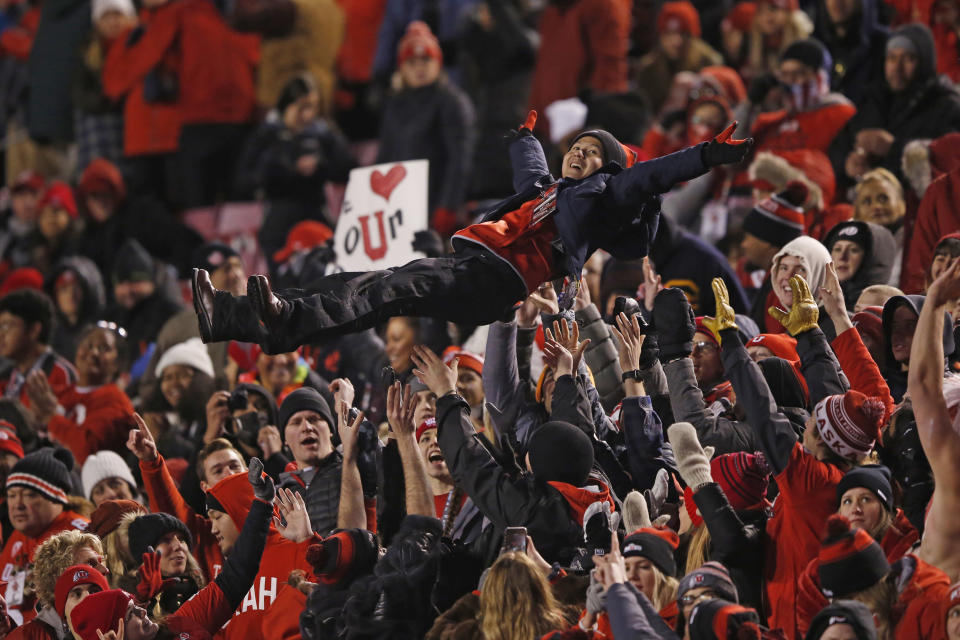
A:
{"points": [[100, 7], [102, 465], [192, 353], [814, 257]]}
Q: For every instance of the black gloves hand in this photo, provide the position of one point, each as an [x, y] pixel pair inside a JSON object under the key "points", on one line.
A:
{"points": [[262, 484], [428, 242], [675, 324], [725, 150], [760, 87]]}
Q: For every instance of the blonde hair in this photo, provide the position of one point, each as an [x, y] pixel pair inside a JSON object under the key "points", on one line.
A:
{"points": [[54, 556], [882, 176], [664, 589], [119, 560], [880, 599], [517, 602], [698, 549]]}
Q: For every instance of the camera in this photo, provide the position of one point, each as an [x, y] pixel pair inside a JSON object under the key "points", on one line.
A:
{"points": [[238, 400]]}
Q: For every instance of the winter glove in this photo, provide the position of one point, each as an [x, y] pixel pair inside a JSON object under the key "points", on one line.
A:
{"points": [[428, 242], [726, 318], [803, 314], [596, 597], [674, 323], [262, 484], [692, 459], [650, 349], [656, 495], [760, 87], [525, 129], [636, 514], [151, 581], [725, 150], [368, 446]]}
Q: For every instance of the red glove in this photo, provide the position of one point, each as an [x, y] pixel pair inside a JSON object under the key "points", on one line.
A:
{"points": [[530, 122], [151, 581], [724, 150], [446, 222]]}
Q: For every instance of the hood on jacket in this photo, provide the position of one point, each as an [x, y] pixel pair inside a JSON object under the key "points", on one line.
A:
{"points": [[233, 495], [922, 39], [271, 402], [814, 257], [91, 282], [879, 255], [859, 29], [915, 304]]}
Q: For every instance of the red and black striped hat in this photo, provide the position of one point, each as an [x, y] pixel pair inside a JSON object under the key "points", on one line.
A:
{"points": [[850, 559], [46, 471]]}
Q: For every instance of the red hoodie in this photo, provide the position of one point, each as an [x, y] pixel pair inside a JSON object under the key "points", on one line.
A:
{"points": [[94, 419], [280, 557]]}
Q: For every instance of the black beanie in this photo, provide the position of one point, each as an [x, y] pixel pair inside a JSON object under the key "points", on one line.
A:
{"points": [[132, 263], [612, 149], [853, 230], [856, 614], [779, 218], [146, 531], [657, 546], [782, 379], [809, 52], [211, 256], [873, 477], [560, 452], [46, 471], [305, 399]]}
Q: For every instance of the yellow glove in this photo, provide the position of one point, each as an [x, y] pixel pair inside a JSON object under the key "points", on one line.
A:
{"points": [[725, 318], [803, 313]]}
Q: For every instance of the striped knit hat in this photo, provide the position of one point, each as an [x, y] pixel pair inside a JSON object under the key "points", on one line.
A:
{"points": [[850, 423], [46, 471], [710, 574], [742, 477], [716, 618], [779, 218], [850, 559]]}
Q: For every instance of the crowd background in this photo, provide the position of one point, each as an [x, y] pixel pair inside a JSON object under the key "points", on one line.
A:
{"points": [[794, 322]]}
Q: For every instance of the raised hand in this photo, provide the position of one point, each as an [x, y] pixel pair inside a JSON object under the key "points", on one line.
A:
{"points": [[568, 336], [400, 409], [293, 510], [262, 484], [652, 284], [726, 150], [43, 401], [151, 580], [726, 317], [557, 357], [631, 339], [112, 635], [946, 288], [140, 441], [430, 369], [803, 315], [342, 389], [543, 300], [831, 295], [349, 430]]}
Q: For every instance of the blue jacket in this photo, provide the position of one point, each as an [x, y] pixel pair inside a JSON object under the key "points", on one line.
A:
{"points": [[614, 209]]}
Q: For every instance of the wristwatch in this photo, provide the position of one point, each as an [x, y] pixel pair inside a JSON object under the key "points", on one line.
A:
{"points": [[630, 375]]}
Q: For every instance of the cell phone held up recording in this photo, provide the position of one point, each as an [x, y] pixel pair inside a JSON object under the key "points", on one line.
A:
{"points": [[514, 539]]}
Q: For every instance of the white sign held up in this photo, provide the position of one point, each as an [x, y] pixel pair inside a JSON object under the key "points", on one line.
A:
{"points": [[384, 205]]}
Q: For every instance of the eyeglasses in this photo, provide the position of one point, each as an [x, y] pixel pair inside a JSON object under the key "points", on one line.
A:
{"points": [[688, 599], [112, 326], [704, 346]]}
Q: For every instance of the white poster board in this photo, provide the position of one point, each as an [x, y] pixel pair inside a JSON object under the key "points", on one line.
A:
{"points": [[384, 205]]}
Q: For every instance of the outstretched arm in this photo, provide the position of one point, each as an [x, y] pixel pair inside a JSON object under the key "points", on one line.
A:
{"points": [[940, 439], [526, 156], [400, 408]]}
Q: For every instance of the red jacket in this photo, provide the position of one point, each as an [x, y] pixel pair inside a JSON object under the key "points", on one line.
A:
{"points": [[280, 557], [93, 420], [363, 18], [200, 617], [18, 553], [808, 495], [583, 44], [861, 370], [939, 214], [16, 41], [810, 599], [212, 63], [814, 129], [165, 497], [282, 619]]}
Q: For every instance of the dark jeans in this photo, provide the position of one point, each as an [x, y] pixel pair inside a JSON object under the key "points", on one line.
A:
{"points": [[207, 162], [468, 287]]}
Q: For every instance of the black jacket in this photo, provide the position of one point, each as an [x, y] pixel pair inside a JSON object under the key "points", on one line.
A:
{"points": [[858, 53], [320, 487]]}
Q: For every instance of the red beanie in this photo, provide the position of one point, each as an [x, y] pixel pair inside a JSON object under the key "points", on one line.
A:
{"points": [[743, 478], [22, 278], [869, 322], [702, 328], [304, 235], [9, 441], [850, 559], [679, 16], [418, 41], [74, 576], [426, 425], [102, 176], [28, 181], [740, 17], [850, 423], [466, 359], [60, 195], [100, 611]]}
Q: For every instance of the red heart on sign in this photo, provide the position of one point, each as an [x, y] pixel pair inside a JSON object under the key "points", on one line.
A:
{"points": [[383, 185]]}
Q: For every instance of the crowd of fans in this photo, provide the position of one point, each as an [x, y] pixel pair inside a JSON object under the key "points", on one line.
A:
{"points": [[752, 432]]}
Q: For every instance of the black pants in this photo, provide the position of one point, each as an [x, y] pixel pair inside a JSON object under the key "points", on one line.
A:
{"points": [[207, 162], [469, 287]]}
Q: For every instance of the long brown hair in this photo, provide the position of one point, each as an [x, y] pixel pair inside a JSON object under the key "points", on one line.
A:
{"points": [[516, 602]]}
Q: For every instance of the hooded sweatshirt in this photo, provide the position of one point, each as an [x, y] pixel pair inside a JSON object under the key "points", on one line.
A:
{"points": [[280, 556], [814, 257], [879, 254], [857, 53], [895, 377], [92, 302]]}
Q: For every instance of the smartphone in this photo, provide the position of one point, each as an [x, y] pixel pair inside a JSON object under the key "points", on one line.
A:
{"points": [[515, 539]]}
